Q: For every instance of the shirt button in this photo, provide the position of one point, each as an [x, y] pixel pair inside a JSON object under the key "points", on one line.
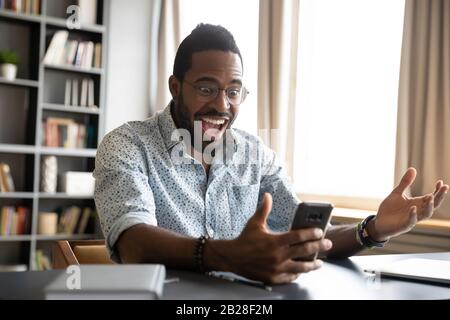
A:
{"points": [[210, 231]]}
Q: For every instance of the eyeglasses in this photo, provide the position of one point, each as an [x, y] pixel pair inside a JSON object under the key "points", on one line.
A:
{"points": [[208, 92]]}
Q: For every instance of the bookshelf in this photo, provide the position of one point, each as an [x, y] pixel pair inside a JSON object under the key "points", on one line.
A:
{"points": [[25, 103]]}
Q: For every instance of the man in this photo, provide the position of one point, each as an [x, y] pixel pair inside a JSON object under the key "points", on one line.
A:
{"points": [[161, 200]]}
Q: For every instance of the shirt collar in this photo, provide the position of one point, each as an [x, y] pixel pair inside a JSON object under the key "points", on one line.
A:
{"points": [[167, 128]]}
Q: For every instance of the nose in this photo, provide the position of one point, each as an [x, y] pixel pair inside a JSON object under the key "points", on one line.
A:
{"points": [[222, 101]]}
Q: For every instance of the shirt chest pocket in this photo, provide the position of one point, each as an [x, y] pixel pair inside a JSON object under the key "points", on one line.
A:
{"points": [[243, 201]]}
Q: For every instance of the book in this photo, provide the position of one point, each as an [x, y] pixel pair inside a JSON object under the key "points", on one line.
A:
{"points": [[80, 52], [4, 221], [64, 132], [55, 51], [26, 6], [71, 51], [87, 212], [98, 55], [89, 55], [3, 185], [18, 5], [42, 261], [91, 102], [81, 138], [7, 179], [87, 12], [67, 92], [14, 222], [35, 6], [72, 135], [108, 282], [70, 219], [73, 219], [74, 92], [22, 220], [84, 92]]}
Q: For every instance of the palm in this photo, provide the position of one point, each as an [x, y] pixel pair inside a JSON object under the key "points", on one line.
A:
{"points": [[399, 213], [393, 216]]}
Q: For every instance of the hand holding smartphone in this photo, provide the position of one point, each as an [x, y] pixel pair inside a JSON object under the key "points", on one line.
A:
{"points": [[312, 215]]}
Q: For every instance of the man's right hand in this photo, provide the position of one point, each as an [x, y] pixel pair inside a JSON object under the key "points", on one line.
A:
{"points": [[261, 255]]}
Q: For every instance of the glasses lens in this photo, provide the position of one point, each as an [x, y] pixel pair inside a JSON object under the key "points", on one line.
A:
{"points": [[206, 93]]}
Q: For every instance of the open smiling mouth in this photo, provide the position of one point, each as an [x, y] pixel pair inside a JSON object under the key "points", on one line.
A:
{"points": [[213, 126]]}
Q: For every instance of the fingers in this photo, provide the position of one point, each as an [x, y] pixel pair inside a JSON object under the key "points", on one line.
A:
{"points": [[427, 207], [306, 249], [283, 278], [263, 212], [439, 184], [291, 270], [439, 194], [412, 218], [294, 267], [407, 180], [299, 236]]}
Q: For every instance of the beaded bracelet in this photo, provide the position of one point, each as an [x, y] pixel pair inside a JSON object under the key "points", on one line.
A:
{"points": [[198, 253]]}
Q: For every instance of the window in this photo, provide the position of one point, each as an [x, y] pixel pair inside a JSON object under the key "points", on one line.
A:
{"points": [[349, 60], [241, 19]]}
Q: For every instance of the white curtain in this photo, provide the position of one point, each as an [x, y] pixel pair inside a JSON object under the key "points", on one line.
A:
{"points": [[165, 38], [423, 129], [277, 76]]}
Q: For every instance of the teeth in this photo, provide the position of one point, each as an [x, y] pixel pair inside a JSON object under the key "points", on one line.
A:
{"points": [[214, 121]]}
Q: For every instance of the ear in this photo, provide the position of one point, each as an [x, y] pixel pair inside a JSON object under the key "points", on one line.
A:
{"points": [[174, 87]]}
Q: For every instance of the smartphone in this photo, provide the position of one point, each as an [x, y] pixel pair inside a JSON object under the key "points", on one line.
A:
{"points": [[312, 215]]}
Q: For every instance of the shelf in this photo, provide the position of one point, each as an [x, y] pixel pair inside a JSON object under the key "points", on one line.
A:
{"points": [[36, 94], [61, 195], [17, 148], [16, 195], [59, 22], [71, 68], [20, 82], [52, 21], [22, 237], [64, 108], [90, 153], [66, 237], [20, 17]]}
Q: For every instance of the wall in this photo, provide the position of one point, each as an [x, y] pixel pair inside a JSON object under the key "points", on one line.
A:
{"points": [[127, 86]]}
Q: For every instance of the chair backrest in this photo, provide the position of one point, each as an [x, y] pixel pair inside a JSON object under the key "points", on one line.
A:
{"points": [[66, 253]]}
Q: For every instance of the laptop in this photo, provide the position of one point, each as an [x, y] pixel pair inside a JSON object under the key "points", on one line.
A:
{"points": [[437, 271], [108, 282]]}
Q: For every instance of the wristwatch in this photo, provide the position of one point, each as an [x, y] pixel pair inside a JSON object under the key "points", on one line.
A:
{"points": [[363, 237]]}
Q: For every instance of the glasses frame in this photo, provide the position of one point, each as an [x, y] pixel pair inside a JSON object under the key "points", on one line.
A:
{"points": [[203, 98]]}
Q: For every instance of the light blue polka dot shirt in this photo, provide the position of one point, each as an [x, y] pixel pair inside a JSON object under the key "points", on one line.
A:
{"points": [[137, 181]]}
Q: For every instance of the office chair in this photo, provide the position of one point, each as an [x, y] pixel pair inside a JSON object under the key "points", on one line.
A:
{"points": [[66, 253]]}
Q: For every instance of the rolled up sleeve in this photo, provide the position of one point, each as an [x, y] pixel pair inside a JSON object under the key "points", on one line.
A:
{"points": [[123, 196]]}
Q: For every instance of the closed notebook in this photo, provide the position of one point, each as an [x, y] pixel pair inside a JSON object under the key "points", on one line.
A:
{"points": [[108, 282]]}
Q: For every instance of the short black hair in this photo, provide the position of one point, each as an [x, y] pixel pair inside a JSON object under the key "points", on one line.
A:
{"points": [[204, 37]]}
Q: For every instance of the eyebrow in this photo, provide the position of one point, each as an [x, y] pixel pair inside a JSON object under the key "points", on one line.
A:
{"points": [[234, 81]]}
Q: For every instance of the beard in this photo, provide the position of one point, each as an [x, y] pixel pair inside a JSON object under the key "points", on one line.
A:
{"points": [[184, 120], [181, 116]]}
